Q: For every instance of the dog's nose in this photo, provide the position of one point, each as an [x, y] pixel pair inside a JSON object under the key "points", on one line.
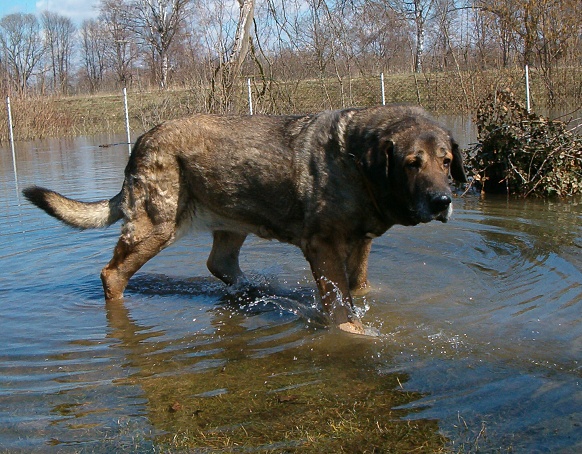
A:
{"points": [[440, 202]]}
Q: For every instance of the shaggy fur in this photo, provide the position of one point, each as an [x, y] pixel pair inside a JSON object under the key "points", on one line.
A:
{"points": [[328, 183]]}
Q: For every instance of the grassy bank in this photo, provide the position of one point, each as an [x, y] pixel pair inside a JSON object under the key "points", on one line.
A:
{"points": [[446, 92]]}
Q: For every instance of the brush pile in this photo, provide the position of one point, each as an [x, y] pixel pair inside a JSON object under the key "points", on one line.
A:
{"points": [[522, 153]]}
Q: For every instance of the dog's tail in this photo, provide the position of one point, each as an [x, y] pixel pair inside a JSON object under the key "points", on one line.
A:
{"points": [[82, 215]]}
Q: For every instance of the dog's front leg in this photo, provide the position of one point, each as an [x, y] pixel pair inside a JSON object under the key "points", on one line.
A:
{"points": [[328, 265], [357, 267]]}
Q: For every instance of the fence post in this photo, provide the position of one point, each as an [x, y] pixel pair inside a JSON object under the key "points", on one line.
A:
{"points": [[126, 119], [383, 90], [527, 100], [250, 96], [11, 136]]}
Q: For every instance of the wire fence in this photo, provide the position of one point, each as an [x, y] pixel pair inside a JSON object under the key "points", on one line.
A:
{"points": [[440, 93]]}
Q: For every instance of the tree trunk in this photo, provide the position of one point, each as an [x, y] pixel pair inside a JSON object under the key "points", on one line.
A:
{"points": [[420, 32], [226, 73], [164, 71], [241, 40]]}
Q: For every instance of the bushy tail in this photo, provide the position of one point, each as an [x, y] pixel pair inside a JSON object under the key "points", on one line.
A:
{"points": [[82, 215]]}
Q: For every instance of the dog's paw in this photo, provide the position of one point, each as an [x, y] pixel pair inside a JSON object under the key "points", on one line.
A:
{"points": [[351, 327], [356, 327]]}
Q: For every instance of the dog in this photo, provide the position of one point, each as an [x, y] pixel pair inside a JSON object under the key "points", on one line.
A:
{"points": [[328, 183]]}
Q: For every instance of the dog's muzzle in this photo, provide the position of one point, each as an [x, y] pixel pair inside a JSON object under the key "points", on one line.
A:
{"points": [[441, 207]]}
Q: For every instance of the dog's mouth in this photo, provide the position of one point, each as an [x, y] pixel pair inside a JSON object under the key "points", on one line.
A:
{"points": [[444, 216], [425, 218], [437, 207]]}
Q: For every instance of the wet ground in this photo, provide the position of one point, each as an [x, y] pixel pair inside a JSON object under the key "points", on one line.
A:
{"points": [[479, 321]]}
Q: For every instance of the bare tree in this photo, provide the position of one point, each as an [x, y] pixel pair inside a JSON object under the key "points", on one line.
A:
{"points": [[242, 36], [281, 43], [94, 45], [381, 37], [59, 34], [228, 70], [559, 29], [418, 11], [122, 49], [156, 23], [515, 17], [22, 47], [543, 32]]}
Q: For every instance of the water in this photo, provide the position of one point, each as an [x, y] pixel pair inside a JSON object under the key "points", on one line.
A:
{"points": [[479, 319]]}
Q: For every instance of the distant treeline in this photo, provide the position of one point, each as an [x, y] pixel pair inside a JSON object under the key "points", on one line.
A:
{"points": [[213, 46]]}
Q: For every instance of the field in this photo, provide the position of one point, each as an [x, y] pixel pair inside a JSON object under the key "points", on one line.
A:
{"points": [[446, 92]]}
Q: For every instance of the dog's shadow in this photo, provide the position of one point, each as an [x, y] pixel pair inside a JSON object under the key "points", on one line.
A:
{"points": [[258, 296]]}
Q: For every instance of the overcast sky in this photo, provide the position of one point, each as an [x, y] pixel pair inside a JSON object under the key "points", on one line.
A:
{"points": [[77, 10]]}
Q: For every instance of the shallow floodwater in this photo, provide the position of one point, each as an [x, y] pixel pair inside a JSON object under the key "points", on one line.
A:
{"points": [[479, 322]]}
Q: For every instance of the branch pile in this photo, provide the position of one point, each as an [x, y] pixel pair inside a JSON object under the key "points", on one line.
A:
{"points": [[522, 153]]}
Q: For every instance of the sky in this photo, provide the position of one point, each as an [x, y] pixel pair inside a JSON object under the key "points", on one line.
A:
{"points": [[77, 10]]}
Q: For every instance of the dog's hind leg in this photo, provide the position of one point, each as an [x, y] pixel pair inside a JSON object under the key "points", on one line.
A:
{"points": [[131, 254], [223, 259]]}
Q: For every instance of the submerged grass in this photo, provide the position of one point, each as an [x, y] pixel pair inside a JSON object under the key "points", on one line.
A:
{"points": [[323, 395]]}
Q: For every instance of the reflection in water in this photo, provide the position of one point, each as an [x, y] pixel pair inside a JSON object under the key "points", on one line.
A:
{"points": [[479, 321], [271, 383]]}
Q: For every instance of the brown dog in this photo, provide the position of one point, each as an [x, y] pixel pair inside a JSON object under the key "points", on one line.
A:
{"points": [[327, 183]]}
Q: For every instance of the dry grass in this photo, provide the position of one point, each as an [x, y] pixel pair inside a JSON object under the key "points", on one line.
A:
{"points": [[446, 92]]}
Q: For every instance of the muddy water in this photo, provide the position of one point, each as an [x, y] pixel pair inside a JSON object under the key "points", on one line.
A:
{"points": [[479, 321]]}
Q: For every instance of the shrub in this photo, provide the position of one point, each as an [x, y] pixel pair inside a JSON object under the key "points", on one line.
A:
{"points": [[524, 153]]}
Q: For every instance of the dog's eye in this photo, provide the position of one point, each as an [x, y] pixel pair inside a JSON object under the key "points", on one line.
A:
{"points": [[447, 162]]}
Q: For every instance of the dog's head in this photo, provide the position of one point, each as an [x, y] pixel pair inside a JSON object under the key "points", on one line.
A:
{"points": [[408, 162]]}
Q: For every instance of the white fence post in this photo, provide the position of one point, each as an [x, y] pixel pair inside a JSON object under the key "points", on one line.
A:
{"points": [[527, 100], [126, 119], [383, 90], [11, 136], [250, 96]]}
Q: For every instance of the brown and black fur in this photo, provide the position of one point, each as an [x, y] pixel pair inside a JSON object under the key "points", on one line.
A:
{"points": [[328, 183]]}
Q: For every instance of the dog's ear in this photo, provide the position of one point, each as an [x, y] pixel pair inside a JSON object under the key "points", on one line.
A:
{"points": [[457, 168], [376, 159]]}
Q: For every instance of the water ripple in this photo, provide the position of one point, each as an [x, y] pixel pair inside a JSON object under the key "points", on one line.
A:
{"points": [[482, 316]]}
